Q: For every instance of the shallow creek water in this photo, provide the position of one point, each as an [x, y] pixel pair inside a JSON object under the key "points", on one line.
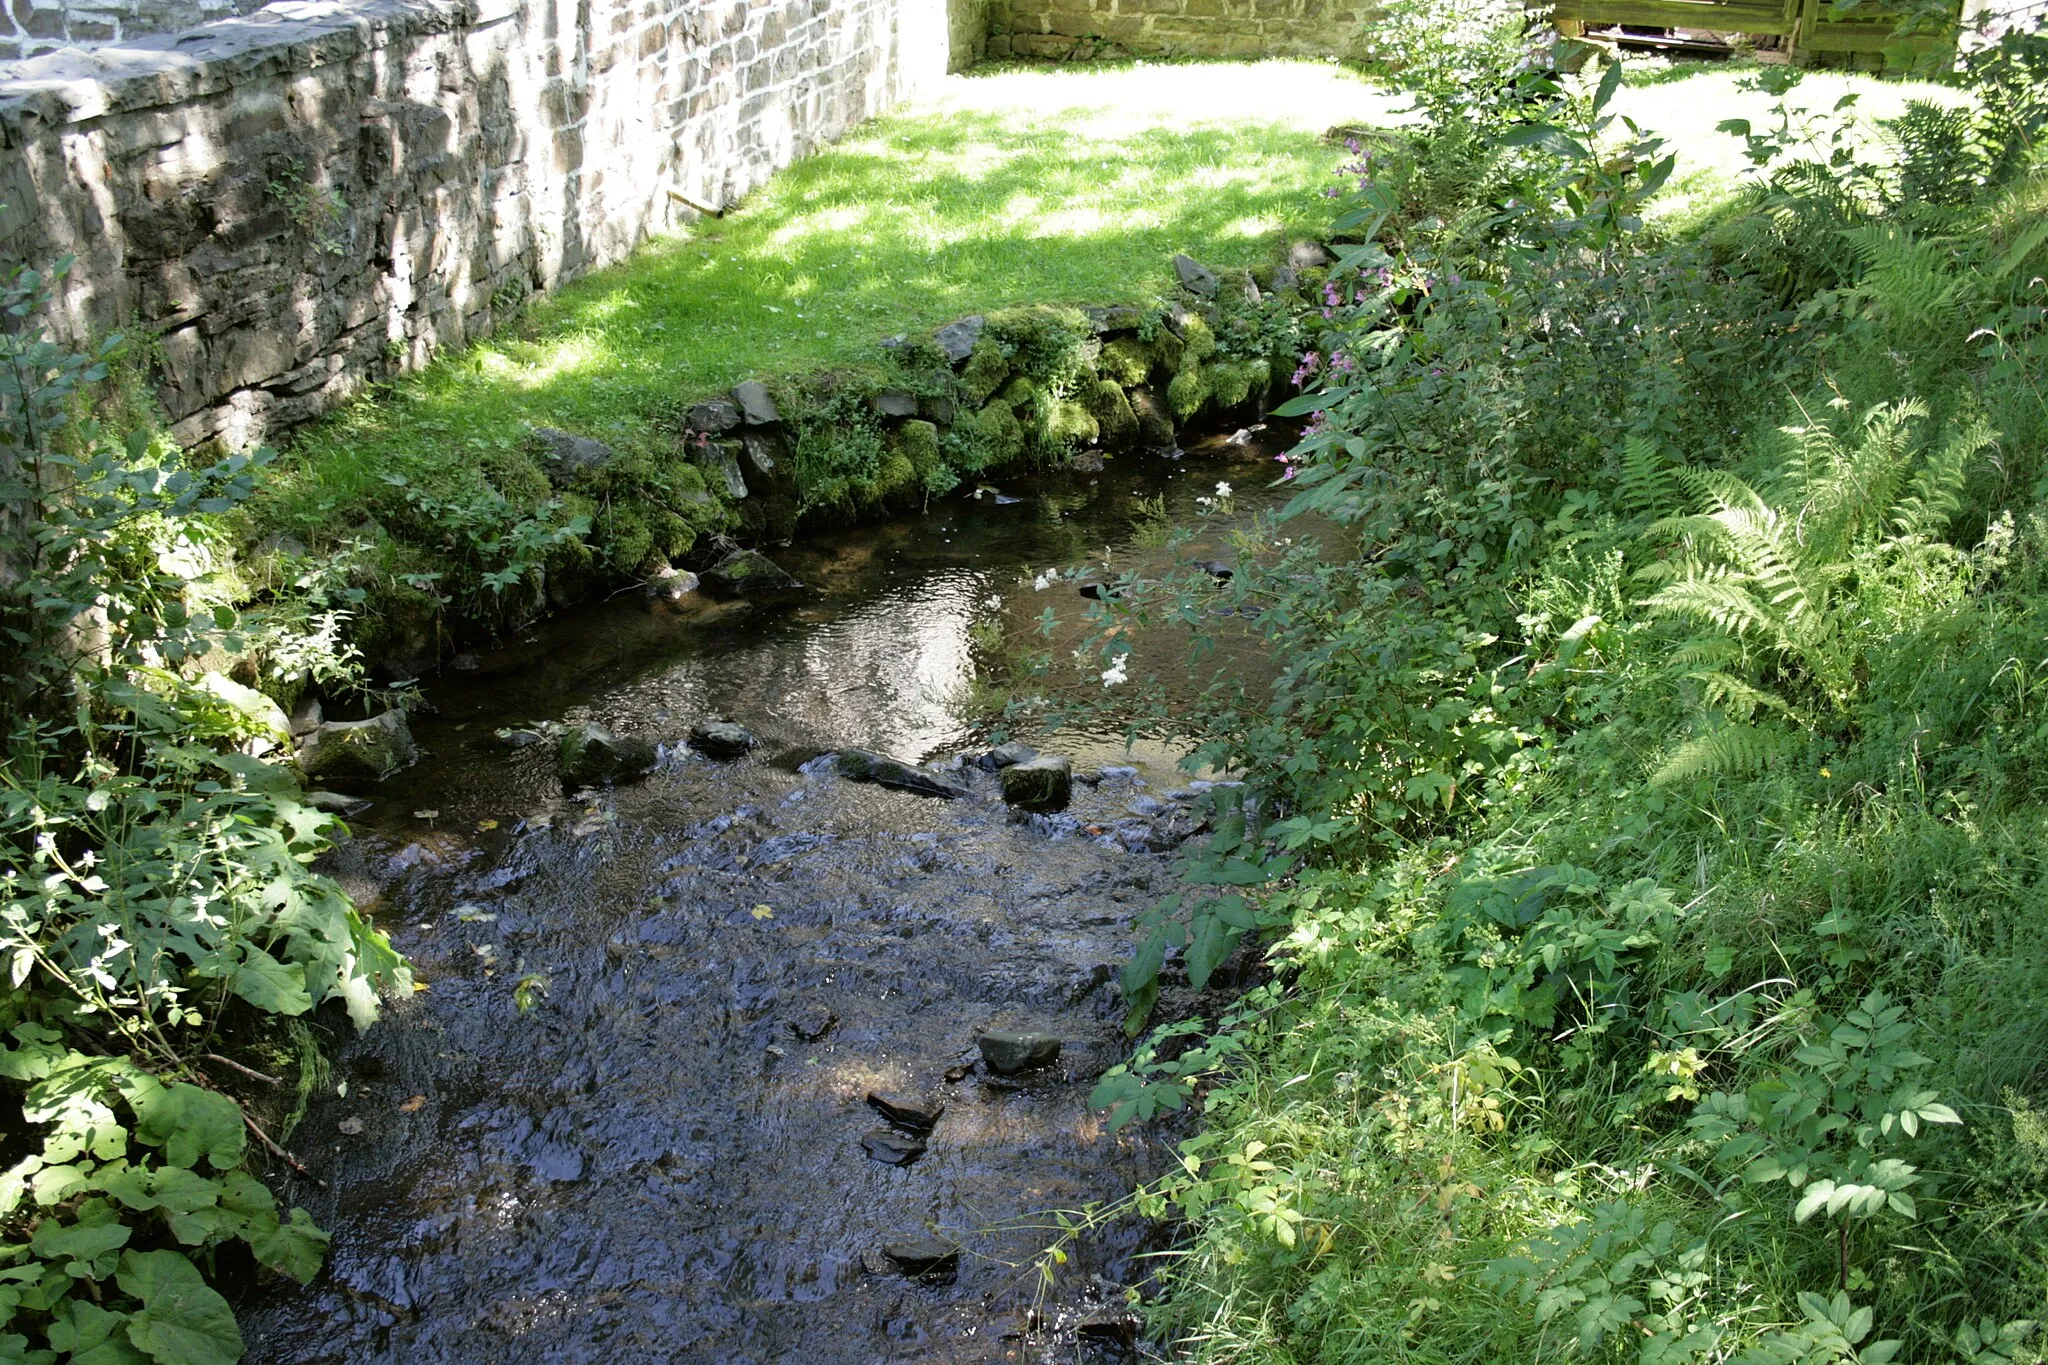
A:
{"points": [[650, 1161]]}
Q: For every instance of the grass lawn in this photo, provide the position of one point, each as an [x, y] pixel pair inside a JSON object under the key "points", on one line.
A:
{"points": [[1020, 186]]}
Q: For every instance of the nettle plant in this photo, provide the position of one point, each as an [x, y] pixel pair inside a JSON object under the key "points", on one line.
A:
{"points": [[154, 887]]}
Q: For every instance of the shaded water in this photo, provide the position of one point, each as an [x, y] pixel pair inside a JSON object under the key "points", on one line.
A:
{"points": [[650, 1160]]}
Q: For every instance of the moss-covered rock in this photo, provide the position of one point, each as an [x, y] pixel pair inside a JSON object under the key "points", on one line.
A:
{"points": [[1155, 424], [897, 479], [1231, 383], [1188, 393], [1118, 425], [1068, 424], [1127, 360], [1022, 396], [987, 370], [994, 434], [1198, 340], [918, 442]]}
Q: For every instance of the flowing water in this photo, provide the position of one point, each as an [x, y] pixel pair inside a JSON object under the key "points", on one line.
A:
{"points": [[624, 1120]]}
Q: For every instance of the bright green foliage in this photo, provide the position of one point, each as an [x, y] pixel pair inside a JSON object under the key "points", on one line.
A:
{"points": [[153, 873], [1653, 784]]}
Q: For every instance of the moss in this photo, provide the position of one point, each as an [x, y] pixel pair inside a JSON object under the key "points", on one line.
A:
{"points": [[1188, 392], [1050, 343], [1232, 384], [1310, 281], [998, 433], [1198, 340], [986, 371], [1069, 424], [517, 475], [1170, 351], [918, 442], [1113, 415], [1155, 428], [1021, 394], [896, 478], [1127, 360]]}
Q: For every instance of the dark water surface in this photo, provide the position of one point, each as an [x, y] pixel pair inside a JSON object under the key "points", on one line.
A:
{"points": [[649, 1162]]}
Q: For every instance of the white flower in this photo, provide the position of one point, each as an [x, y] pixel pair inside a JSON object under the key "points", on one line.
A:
{"points": [[1115, 674], [1038, 583], [1222, 490]]}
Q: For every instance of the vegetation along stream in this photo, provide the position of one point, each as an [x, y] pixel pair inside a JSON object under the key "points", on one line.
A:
{"points": [[630, 1117]]}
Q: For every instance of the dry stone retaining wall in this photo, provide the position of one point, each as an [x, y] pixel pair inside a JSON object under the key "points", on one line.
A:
{"points": [[1062, 29], [315, 194]]}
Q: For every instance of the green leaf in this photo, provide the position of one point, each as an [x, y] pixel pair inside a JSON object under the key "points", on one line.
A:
{"points": [[189, 1123], [92, 1334], [83, 1248], [270, 985], [182, 1322], [296, 1248]]}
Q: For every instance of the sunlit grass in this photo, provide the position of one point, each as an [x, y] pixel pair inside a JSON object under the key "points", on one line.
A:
{"points": [[1016, 187]]}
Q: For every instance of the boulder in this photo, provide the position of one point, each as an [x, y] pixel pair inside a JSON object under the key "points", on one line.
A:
{"points": [[747, 573], [766, 461], [1044, 783], [305, 717], [757, 409], [358, 750], [1117, 317], [906, 1111], [896, 403], [1196, 278], [1155, 424], [592, 756], [864, 765], [720, 462], [336, 803], [566, 455], [672, 584], [1007, 1052], [956, 339], [714, 417], [721, 738]]}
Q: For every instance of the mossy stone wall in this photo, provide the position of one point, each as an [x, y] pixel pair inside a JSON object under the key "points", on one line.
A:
{"points": [[1081, 29]]}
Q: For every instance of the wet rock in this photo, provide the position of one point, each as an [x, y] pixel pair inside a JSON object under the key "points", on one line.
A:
{"points": [[756, 407], [721, 738], [1309, 256], [592, 756], [336, 803], [1196, 278], [938, 410], [956, 339], [864, 765], [956, 1074], [1146, 807], [305, 717], [1217, 570], [813, 1023], [1007, 1052], [747, 573], [766, 461], [1045, 783], [358, 750], [521, 736], [672, 584], [1111, 1325], [1100, 592], [714, 417], [566, 454], [896, 403], [906, 1111], [892, 1148], [1005, 755], [923, 1255], [1155, 423]]}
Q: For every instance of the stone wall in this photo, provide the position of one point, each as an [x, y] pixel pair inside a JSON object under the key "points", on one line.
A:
{"points": [[316, 194], [28, 27], [1063, 29]]}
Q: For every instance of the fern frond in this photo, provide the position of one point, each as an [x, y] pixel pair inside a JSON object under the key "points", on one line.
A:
{"points": [[1729, 750], [1936, 493], [1718, 596], [1648, 485], [1735, 698]]}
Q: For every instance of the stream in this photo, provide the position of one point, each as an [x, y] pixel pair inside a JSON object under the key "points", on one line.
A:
{"points": [[624, 1120]]}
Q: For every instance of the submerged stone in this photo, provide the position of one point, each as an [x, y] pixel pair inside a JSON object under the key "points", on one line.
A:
{"points": [[813, 1023], [892, 1148], [1045, 783], [592, 756], [923, 1255], [906, 1111], [747, 573], [358, 750], [1007, 1052], [1006, 755]]}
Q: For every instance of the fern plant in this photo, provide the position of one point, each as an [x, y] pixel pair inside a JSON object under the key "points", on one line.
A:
{"points": [[1784, 591]]}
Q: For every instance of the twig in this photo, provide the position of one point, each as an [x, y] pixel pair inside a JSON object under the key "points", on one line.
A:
{"points": [[281, 1154], [237, 1066]]}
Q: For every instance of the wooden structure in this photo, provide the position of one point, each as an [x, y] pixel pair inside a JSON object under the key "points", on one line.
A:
{"points": [[1809, 28]]}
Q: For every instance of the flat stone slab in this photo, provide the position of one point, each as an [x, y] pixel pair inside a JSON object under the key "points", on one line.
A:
{"points": [[1008, 1051]]}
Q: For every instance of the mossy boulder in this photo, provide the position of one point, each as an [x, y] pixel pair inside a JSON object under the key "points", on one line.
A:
{"points": [[918, 442], [1189, 393], [1021, 395], [1045, 783], [897, 478], [358, 750], [1113, 416], [592, 756], [1126, 360], [995, 434], [747, 573], [1198, 340], [1232, 383]]}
